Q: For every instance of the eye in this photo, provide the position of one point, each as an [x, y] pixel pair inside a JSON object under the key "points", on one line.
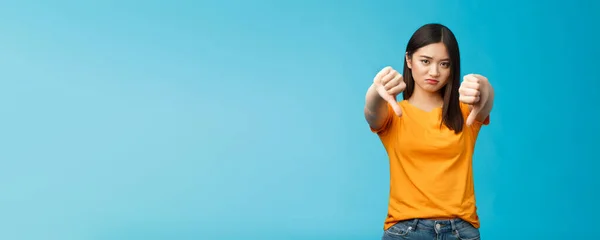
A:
{"points": [[424, 61], [445, 64]]}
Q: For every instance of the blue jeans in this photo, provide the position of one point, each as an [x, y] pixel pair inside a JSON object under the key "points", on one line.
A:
{"points": [[417, 229]]}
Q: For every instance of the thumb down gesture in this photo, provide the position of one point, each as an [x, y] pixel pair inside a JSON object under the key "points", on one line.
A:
{"points": [[389, 83], [473, 91]]}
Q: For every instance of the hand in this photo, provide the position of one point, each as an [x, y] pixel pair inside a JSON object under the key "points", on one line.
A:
{"points": [[389, 83], [472, 92]]}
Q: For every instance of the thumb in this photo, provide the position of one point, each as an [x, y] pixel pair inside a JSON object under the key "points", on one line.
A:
{"points": [[472, 115], [392, 101]]}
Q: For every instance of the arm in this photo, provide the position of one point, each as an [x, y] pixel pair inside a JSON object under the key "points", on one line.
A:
{"points": [[376, 109], [487, 92], [381, 97]]}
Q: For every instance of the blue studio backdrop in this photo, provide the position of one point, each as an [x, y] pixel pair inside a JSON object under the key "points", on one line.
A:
{"points": [[244, 119]]}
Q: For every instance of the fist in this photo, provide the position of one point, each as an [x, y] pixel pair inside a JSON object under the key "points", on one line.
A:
{"points": [[389, 83], [470, 92]]}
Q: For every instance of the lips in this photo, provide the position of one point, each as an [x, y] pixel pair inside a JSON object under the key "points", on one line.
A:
{"points": [[431, 81]]}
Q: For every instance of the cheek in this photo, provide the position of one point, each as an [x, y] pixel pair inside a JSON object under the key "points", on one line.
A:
{"points": [[420, 70], [445, 74]]}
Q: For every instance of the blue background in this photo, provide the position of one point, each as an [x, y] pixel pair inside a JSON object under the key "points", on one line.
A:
{"points": [[243, 119]]}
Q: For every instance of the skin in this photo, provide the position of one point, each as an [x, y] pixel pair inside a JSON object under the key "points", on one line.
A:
{"points": [[387, 84], [430, 62]]}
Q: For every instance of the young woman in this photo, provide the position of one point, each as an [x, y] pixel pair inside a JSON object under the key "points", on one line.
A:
{"points": [[430, 138]]}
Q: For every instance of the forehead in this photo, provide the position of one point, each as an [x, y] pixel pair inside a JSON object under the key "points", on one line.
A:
{"points": [[434, 50]]}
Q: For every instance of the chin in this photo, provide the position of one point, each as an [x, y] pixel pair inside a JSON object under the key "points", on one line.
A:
{"points": [[431, 88]]}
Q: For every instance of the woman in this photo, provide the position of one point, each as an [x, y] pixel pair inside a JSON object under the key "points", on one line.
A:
{"points": [[430, 138]]}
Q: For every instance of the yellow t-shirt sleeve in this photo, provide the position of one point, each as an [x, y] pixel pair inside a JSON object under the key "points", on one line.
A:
{"points": [[465, 108]]}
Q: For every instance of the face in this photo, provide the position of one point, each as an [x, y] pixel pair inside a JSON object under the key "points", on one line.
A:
{"points": [[430, 66]]}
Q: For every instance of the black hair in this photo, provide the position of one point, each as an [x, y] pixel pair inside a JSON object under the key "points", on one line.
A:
{"points": [[435, 33]]}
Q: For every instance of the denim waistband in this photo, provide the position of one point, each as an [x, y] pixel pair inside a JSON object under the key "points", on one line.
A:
{"points": [[449, 225]]}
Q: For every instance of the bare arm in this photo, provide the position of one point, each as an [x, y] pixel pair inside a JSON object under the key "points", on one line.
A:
{"points": [[487, 92], [376, 109], [386, 85]]}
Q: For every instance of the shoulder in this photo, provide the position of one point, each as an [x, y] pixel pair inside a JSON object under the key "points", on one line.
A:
{"points": [[466, 110], [392, 119], [404, 104]]}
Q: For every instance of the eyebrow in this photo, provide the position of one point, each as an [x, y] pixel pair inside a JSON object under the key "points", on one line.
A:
{"points": [[428, 57]]}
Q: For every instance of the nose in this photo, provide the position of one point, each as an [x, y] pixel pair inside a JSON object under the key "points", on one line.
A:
{"points": [[434, 71]]}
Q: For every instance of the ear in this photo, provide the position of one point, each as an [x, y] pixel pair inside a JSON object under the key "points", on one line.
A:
{"points": [[408, 62]]}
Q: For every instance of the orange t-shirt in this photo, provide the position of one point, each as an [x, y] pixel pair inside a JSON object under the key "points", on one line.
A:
{"points": [[431, 170]]}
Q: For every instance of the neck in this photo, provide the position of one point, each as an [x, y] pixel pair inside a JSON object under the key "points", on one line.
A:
{"points": [[426, 99]]}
